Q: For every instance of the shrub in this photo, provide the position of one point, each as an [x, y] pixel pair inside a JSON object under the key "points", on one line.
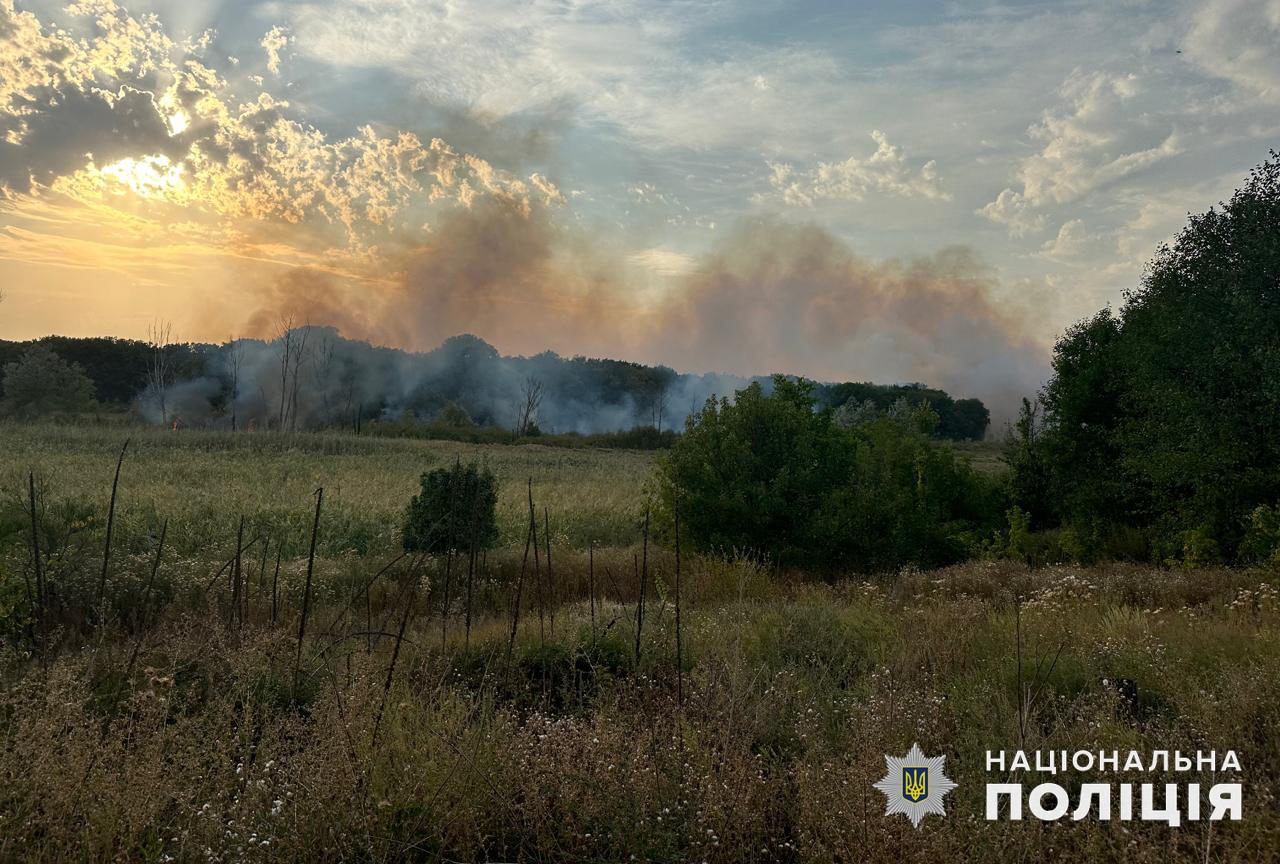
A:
{"points": [[768, 474], [42, 383], [454, 510], [1261, 543]]}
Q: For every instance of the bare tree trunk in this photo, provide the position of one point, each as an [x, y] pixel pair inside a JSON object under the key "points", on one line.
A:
{"points": [[237, 576], [551, 579], [159, 336], [591, 584], [515, 606], [537, 569]]}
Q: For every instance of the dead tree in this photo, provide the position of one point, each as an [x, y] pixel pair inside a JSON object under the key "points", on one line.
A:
{"points": [[160, 365], [658, 398], [293, 352], [285, 338], [233, 359], [527, 408]]}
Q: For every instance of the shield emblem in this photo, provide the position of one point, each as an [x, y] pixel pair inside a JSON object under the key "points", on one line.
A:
{"points": [[915, 784]]}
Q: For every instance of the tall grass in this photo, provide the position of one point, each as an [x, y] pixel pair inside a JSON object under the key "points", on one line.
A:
{"points": [[740, 715]]}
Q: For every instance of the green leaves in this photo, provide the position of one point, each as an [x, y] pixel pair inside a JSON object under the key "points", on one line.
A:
{"points": [[1167, 414], [455, 510], [770, 476]]}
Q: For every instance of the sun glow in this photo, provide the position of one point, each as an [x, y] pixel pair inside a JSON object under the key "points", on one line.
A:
{"points": [[178, 122], [148, 176]]}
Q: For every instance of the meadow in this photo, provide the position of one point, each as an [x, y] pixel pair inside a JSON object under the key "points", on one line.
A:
{"points": [[179, 720]]}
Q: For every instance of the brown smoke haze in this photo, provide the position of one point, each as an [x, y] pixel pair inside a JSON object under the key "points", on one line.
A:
{"points": [[773, 297]]}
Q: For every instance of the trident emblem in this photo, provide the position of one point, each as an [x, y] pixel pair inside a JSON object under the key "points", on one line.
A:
{"points": [[915, 783]]}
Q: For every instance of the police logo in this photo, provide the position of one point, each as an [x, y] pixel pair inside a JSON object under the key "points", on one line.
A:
{"points": [[915, 785]]}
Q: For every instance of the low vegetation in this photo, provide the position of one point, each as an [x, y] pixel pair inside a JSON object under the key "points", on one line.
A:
{"points": [[184, 719]]}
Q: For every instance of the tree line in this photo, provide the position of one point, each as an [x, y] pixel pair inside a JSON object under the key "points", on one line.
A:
{"points": [[309, 377], [1156, 439], [1158, 435]]}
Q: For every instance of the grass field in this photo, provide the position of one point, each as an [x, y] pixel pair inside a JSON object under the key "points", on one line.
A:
{"points": [[204, 481], [181, 731]]}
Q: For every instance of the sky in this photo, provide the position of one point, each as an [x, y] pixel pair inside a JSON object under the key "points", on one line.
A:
{"points": [[905, 191]]}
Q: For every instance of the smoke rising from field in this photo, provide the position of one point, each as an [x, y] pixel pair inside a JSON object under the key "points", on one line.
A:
{"points": [[785, 297], [772, 297]]}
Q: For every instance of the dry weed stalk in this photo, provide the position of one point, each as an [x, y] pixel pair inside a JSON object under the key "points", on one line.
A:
{"points": [[111, 521]]}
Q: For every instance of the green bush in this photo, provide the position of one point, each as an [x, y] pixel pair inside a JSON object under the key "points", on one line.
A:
{"points": [[768, 474], [1261, 543], [42, 383], [455, 510]]}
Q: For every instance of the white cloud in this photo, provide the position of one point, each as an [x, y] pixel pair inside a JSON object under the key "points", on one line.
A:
{"points": [[1106, 126], [1010, 208], [624, 63], [1075, 242], [1239, 40], [275, 41], [1105, 130], [75, 119], [886, 170]]}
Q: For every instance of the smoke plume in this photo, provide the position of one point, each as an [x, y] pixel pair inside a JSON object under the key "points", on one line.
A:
{"points": [[773, 297]]}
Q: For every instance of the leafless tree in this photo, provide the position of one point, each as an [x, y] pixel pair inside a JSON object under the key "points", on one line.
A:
{"points": [[658, 404], [527, 407], [293, 351], [159, 365], [233, 358], [300, 355], [284, 335], [323, 364]]}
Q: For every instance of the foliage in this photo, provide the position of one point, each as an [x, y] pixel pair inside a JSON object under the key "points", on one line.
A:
{"points": [[455, 416], [201, 749], [1166, 415], [42, 383], [958, 419], [454, 510], [465, 387], [1261, 543], [769, 474]]}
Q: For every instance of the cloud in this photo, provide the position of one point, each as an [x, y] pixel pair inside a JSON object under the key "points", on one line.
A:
{"points": [[884, 171], [623, 65], [115, 104], [1107, 126], [1011, 208], [1237, 40], [275, 41], [1075, 241]]}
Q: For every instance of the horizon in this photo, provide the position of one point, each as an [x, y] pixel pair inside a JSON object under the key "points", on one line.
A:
{"points": [[855, 194], [268, 340]]}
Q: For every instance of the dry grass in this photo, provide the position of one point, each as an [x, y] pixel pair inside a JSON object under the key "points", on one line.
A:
{"points": [[575, 753], [204, 748]]}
